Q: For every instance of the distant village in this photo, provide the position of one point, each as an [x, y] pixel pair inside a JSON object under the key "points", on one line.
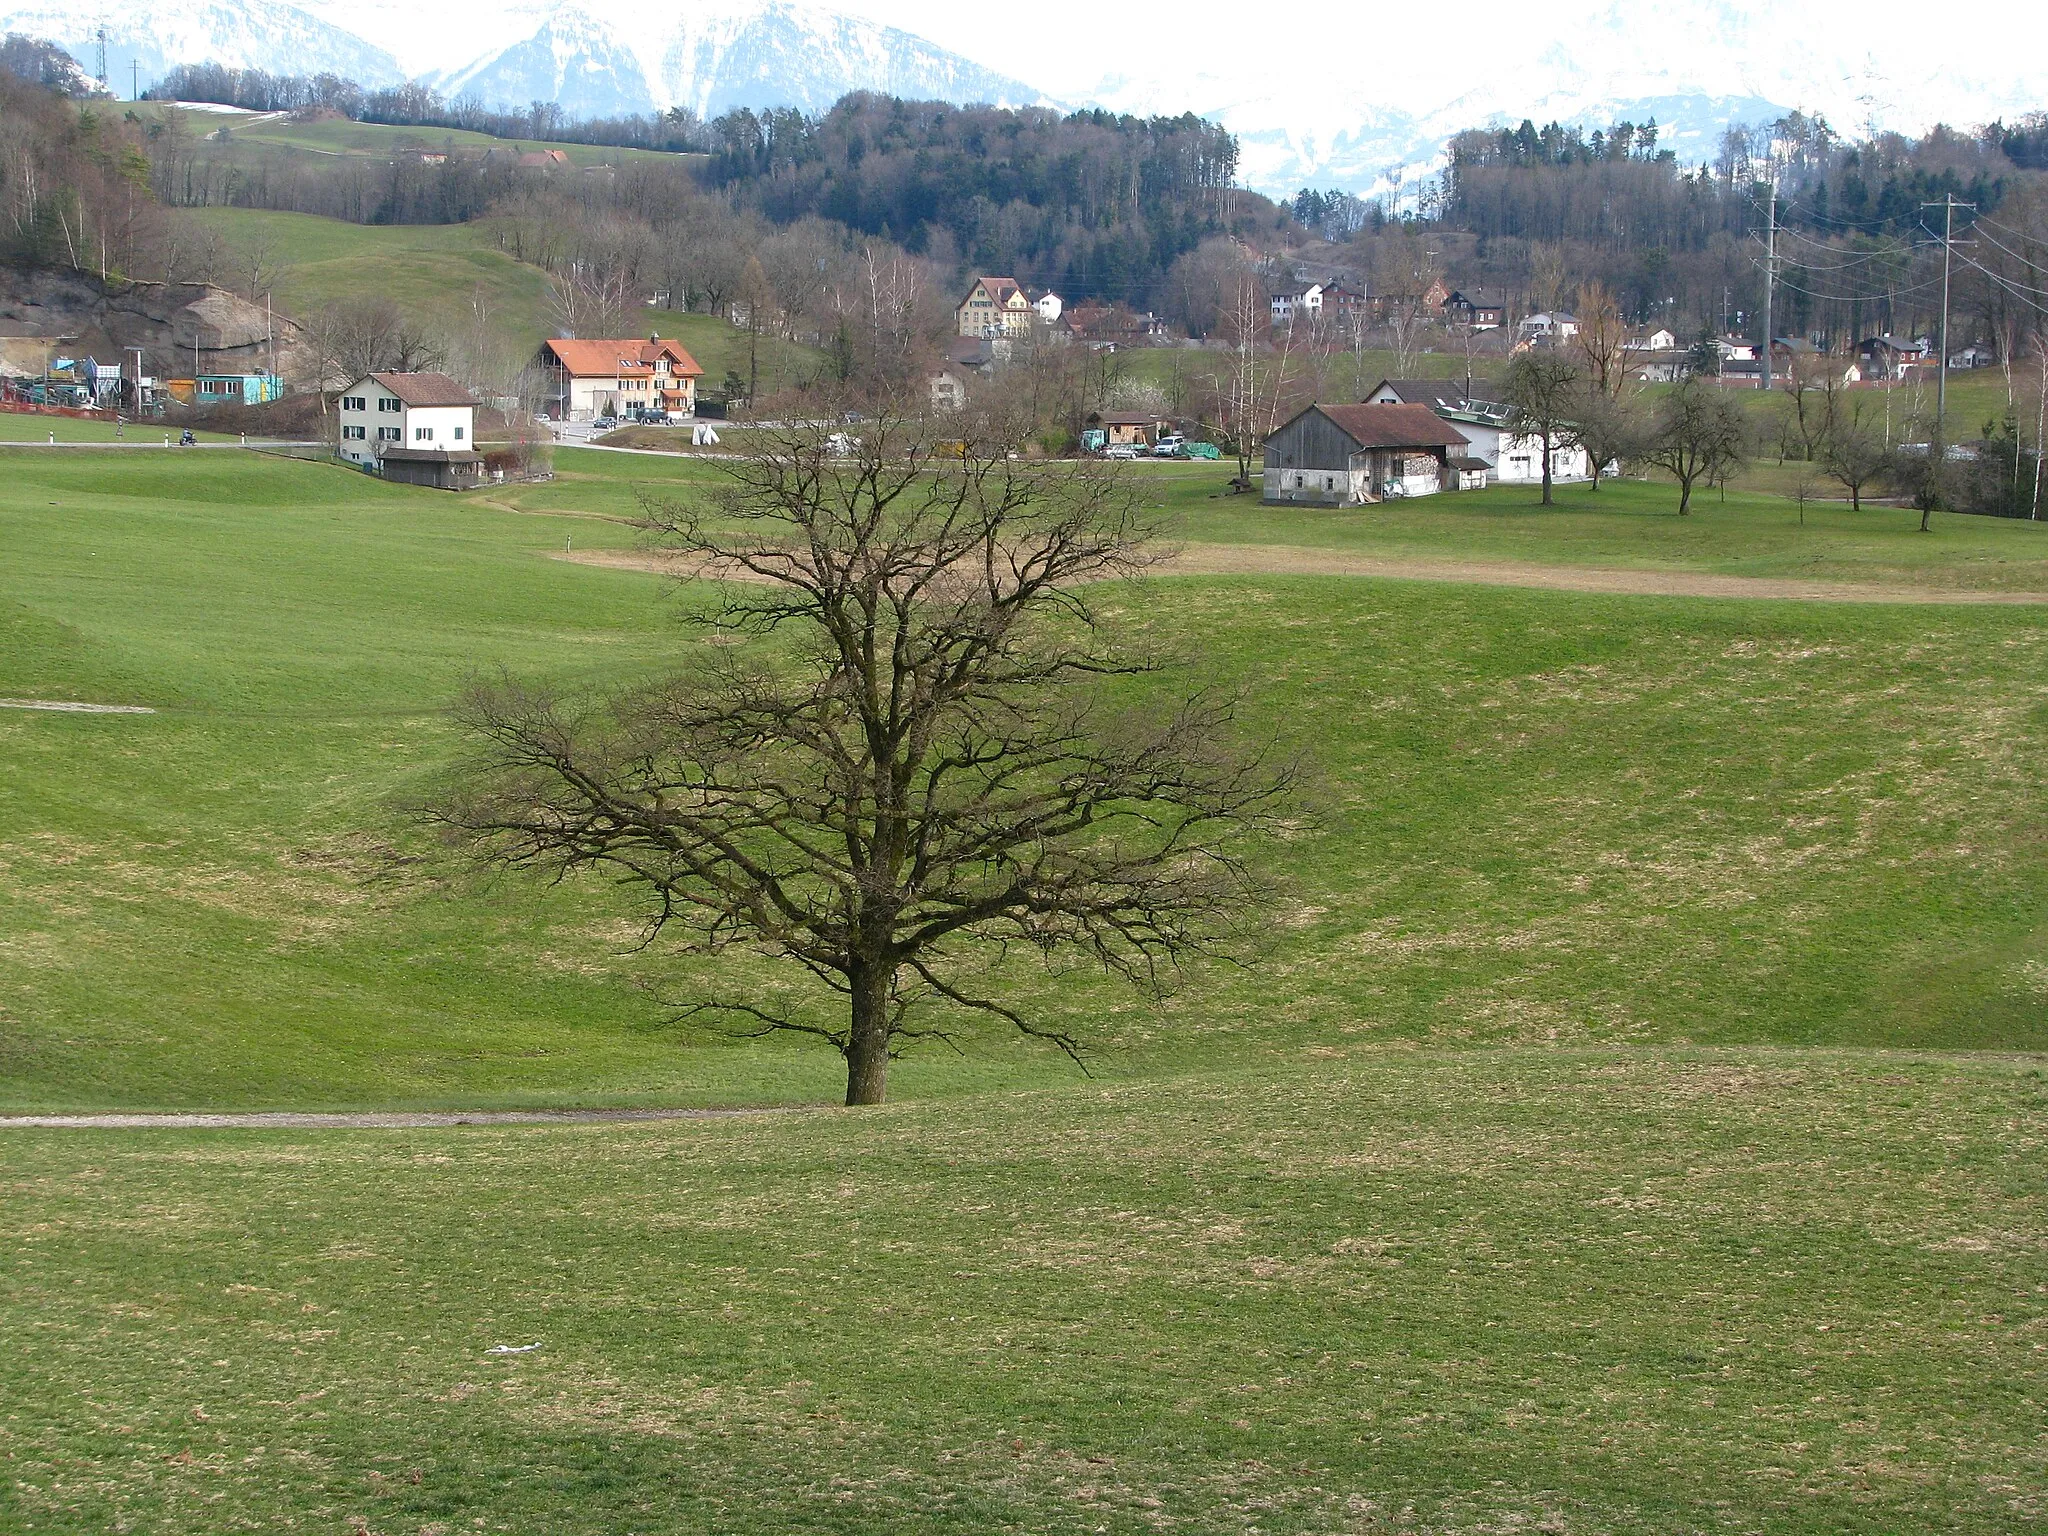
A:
{"points": [[201, 349]]}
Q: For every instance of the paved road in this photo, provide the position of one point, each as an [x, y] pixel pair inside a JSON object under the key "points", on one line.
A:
{"points": [[159, 445]]}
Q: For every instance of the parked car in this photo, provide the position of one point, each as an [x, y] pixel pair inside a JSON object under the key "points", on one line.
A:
{"points": [[605, 423], [1169, 446], [1121, 451]]}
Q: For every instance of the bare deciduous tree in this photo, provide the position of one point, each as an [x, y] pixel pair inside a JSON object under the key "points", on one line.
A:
{"points": [[1255, 381], [369, 336], [1541, 392], [587, 299], [1700, 437], [1601, 341], [1612, 428], [907, 765], [1854, 453]]}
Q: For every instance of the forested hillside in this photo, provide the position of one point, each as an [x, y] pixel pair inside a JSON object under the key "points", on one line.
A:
{"points": [[1089, 202]]}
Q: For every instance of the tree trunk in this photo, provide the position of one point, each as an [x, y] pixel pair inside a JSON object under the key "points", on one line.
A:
{"points": [[1546, 469], [1684, 497], [867, 1041]]}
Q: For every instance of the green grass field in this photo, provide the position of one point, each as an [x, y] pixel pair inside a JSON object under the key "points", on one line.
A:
{"points": [[26, 427], [1631, 1123], [437, 271], [378, 141], [1643, 1292]]}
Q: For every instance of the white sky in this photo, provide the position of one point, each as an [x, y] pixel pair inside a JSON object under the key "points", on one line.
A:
{"points": [[1855, 59], [1424, 54]]}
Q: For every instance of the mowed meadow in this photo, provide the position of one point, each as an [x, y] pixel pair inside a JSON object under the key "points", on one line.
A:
{"points": [[1628, 1119]]}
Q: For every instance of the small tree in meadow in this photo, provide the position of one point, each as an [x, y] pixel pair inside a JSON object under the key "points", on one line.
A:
{"points": [[1699, 437], [1543, 398]]}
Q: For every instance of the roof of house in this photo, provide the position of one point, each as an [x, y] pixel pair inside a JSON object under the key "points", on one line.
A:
{"points": [[1131, 418], [1430, 392], [432, 455], [425, 389], [1392, 426], [1470, 465], [611, 357], [1478, 298], [999, 288]]}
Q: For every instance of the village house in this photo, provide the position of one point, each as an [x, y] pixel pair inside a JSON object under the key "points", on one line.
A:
{"points": [[1511, 457], [1348, 455], [1547, 329], [1048, 304], [996, 307], [1888, 357], [1437, 394], [1296, 299], [609, 377], [1480, 308], [948, 389], [1380, 306], [419, 428], [1105, 327]]}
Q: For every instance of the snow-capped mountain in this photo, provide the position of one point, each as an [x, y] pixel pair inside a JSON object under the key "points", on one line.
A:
{"points": [[147, 39], [764, 53], [1695, 69]]}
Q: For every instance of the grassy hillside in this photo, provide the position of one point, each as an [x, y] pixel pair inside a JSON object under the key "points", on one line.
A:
{"points": [[1592, 1149], [250, 134], [1545, 816], [1637, 1292], [440, 271]]}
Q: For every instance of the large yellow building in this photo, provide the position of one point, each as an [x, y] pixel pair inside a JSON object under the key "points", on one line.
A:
{"points": [[996, 306]]}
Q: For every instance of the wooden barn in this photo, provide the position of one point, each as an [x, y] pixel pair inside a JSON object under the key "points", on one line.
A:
{"points": [[1346, 455]]}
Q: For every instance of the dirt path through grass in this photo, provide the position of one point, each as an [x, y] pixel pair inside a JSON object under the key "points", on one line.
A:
{"points": [[1288, 560], [293, 1121]]}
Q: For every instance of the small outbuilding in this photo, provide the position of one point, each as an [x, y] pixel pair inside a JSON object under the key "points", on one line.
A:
{"points": [[1140, 429], [1347, 455]]}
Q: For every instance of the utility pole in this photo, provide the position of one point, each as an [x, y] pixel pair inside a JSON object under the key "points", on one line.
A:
{"points": [[1948, 205], [135, 79], [1770, 274]]}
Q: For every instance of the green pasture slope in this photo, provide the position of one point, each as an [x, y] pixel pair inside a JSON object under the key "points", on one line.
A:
{"points": [[439, 271], [1632, 1124]]}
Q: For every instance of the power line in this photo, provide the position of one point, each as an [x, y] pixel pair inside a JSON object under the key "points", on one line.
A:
{"points": [[1948, 206]]}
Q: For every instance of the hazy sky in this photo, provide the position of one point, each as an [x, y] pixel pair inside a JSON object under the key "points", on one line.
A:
{"points": [[1737, 44]]}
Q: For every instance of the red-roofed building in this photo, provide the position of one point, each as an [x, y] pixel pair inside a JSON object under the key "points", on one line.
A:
{"points": [[611, 377], [1343, 455]]}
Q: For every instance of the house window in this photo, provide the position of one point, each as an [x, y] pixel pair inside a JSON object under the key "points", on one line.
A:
{"points": [[390, 406], [423, 434], [355, 403], [354, 434], [458, 434], [388, 434]]}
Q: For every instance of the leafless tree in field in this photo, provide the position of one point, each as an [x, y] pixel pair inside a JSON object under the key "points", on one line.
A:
{"points": [[909, 764], [1700, 437], [1543, 397]]}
